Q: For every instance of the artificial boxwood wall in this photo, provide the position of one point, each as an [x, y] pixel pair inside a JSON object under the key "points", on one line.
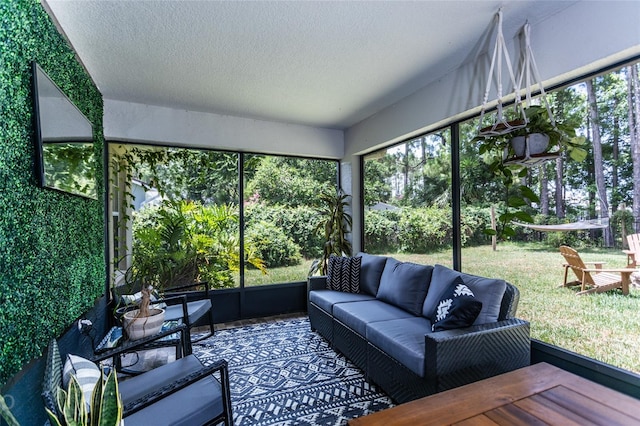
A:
{"points": [[52, 260]]}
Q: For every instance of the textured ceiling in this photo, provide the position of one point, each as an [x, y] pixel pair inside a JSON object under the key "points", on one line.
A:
{"points": [[325, 64]]}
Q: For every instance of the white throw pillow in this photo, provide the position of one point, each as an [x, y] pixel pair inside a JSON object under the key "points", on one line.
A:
{"points": [[86, 373]]}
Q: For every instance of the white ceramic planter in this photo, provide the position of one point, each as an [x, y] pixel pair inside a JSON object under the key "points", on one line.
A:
{"points": [[137, 328], [538, 143]]}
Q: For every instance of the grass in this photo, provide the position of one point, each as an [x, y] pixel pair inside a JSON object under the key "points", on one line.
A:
{"points": [[603, 326]]}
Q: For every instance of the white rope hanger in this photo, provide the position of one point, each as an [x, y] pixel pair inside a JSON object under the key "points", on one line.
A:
{"points": [[532, 75], [501, 125]]}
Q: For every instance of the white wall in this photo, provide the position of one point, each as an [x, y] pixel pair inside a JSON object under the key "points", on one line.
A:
{"points": [[125, 121], [585, 37]]}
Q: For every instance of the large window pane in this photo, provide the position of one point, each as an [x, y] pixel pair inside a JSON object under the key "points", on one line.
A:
{"points": [[602, 189], [176, 214], [407, 194], [281, 214]]}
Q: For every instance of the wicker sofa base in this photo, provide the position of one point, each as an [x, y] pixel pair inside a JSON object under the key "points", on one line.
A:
{"points": [[351, 344], [453, 358], [321, 322], [400, 383]]}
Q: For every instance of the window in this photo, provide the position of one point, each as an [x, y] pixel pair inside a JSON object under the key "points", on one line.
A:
{"points": [[407, 197], [180, 208]]}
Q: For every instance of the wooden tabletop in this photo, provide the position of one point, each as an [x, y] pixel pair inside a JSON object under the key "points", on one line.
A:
{"points": [[538, 394]]}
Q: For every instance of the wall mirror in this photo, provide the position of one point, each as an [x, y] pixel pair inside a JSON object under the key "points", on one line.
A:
{"points": [[65, 157]]}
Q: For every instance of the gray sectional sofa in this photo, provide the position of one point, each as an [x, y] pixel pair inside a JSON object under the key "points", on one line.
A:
{"points": [[393, 329]]}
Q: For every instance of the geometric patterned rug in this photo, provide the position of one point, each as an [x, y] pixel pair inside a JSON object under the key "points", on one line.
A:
{"points": [[282, 373]]}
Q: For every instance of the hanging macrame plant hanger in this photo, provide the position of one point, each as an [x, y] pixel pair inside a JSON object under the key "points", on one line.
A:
{"points": [[530, 74], [501, 125]]}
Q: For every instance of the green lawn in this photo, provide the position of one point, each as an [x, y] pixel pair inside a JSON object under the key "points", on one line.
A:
{"points": [[602, 326]]}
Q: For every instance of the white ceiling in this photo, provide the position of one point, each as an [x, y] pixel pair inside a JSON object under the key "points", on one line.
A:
{"points": [[318, 63]]}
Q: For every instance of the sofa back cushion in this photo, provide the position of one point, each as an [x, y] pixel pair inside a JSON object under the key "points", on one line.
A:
{"points": [[489, 291], [405, 285], [370, 272]]}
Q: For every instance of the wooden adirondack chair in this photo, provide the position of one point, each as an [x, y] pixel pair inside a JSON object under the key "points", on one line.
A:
{"points": [[594, 279], [633, 253]]}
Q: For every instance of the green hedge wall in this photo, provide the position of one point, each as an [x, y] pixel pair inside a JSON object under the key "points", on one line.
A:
{"points": [[52, 260]]}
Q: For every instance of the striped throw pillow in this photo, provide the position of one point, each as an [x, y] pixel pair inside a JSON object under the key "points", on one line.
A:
{"points": [[343, 274], [86, 374]]}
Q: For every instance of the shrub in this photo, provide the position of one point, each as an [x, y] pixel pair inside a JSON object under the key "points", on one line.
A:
{"points": [[297, 223], [381, 231], [425, 229], [272, 245]]}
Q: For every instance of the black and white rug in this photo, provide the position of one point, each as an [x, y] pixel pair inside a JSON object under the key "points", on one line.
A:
{"points": [[282, 373]]}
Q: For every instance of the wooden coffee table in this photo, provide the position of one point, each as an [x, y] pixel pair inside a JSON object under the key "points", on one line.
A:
{"points": [[538, 394]]}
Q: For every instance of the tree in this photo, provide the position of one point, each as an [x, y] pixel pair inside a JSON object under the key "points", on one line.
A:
{"points": [[633, 96], [598, 161]]}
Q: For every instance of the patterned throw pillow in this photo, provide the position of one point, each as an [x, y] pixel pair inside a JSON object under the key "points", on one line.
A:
{"points": [[86, 374], [343, 274], [456, 308]]}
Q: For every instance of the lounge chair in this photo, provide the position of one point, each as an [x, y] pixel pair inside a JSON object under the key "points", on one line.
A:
{"points": [[182, 392], [633, 253], [594, 279]]}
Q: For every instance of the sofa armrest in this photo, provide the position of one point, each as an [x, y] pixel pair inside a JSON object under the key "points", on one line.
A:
{"points": [[316, 282], [460, 356]]}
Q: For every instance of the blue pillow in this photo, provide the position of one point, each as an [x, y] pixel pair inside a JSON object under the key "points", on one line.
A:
{"points": [[370, 272], [456, 308], [405, 285], [489, 291]]}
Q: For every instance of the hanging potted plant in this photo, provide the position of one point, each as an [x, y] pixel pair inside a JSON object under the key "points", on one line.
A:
{"points": [[543, 135]]}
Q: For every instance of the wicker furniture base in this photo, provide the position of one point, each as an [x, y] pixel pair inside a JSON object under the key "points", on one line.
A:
{"points": [[351, 344], [452, 358]]}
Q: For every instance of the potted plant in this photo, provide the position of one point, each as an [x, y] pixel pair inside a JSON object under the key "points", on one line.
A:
{"points": [[144, 321], [334, 226], [541, 134], [508, 159]]}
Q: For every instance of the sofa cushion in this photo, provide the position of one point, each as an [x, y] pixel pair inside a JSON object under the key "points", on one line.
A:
{"points": [[402, 339], [405, 285], [179, 408], [370, 272], [196, 310], [489, 291], [326, 299], [356, 315], [343, 274], [456, 308]]}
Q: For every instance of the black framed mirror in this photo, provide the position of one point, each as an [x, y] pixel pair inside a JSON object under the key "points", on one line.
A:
{"points": [[65, 157]]}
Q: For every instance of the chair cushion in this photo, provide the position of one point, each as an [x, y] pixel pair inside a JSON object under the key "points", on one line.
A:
{"points": [[86, 374], [196, 310], [370, 272], [343, 274], [405, 285], [195, 404], [402, 339], [489, 291], [327, 299], [52, 377], [457, 308], [356, 315]]}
